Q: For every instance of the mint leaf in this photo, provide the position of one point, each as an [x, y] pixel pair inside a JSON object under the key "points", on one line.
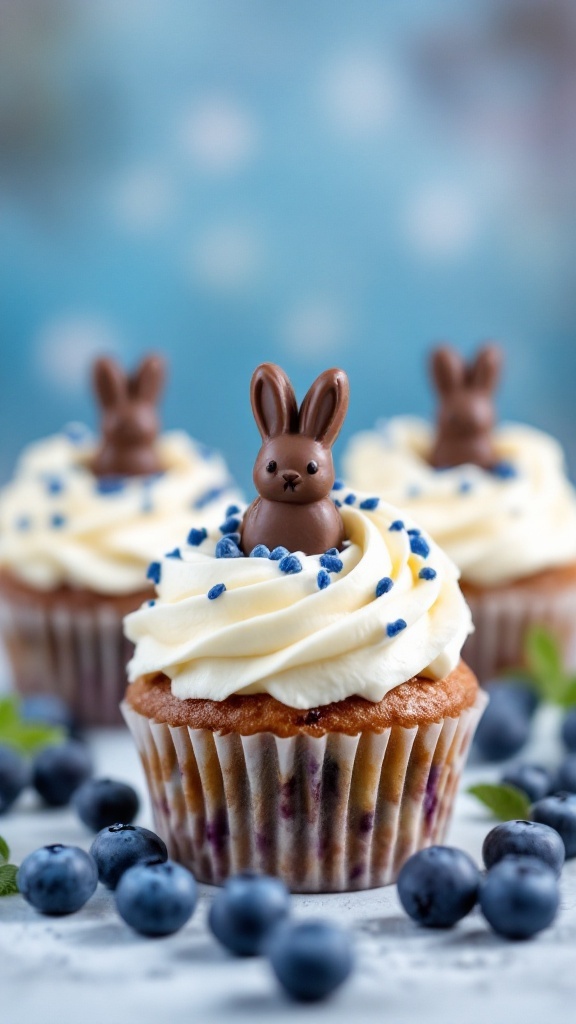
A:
{"points": [[8, 886], [569, 696], [544, 659], [4, 851], [506, 802], [26, 737]]}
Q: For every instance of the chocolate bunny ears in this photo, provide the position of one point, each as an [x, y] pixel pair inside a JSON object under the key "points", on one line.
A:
{"points": [[466, 412], [129, 421], [294, 471]]}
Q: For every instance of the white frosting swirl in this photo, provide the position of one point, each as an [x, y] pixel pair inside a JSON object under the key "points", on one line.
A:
{"points": [[296, 637], [497, 526], [60, 525]]}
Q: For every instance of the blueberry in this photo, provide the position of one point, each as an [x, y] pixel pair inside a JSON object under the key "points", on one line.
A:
{"points": [[57, 879], [519, 897], [521, 693], [438, 886], [57, 772], [102, 802], [526, 839], [246, 910], [565, 779], [156, 899], [310, 958], [558, 811], [568, 732], [13, 777], [504, 727], [47, 709], [119, 847], [532, 779]]}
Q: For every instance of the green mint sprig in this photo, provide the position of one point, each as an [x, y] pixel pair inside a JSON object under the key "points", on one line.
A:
{"points": [[8, 872], [507, 803], [545, 665], [26, 737]]}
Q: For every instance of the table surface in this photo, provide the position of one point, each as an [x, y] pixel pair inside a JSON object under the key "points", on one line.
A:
{"points": [[91, 968]]}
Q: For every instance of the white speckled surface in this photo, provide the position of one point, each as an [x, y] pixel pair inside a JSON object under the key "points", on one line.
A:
{"points": [[91, 968]]}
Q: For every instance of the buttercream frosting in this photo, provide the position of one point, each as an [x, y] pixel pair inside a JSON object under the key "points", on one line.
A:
{"points": [[498, 526]]}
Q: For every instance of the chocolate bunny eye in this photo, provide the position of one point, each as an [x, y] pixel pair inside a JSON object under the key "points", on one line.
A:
{"points": [[272, 466], [312, 467]]}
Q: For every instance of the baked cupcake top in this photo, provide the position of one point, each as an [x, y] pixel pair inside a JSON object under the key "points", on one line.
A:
{"points": [[306, 629], [62, 525]]}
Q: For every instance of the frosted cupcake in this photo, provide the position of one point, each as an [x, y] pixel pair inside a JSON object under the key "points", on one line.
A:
{"points": [[78, 524], [497, 499], [301, 707]]}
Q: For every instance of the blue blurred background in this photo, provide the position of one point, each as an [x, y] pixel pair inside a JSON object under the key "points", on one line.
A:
{"points": [[311, 183]]}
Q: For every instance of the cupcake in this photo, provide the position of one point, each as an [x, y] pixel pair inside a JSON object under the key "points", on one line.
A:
{"points": [[496, 498], [296, 692], [78, 524]]}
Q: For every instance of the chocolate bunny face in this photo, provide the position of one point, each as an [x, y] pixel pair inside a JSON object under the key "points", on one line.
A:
{"points": [[294, 466], [466, 414], [130, 423]]}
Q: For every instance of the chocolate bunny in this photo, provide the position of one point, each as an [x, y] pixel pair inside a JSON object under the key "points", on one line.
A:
{"points": [[294, 471], [129, 419], [466, 412]]}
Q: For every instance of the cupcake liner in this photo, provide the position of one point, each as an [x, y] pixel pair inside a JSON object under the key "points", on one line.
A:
{"points": [[78, 654], [502, 617], [327, 814]]}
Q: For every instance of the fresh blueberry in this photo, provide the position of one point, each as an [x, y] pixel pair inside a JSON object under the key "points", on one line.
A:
{"points": [[438, 886], [565, 779], [504, 727], [559, 811], [13, 777], [102, 802], [525, 839], [519, 897], [156, 899], [518, 691], [57, 879], [57, 772], [568, 732], [246, 910], [532, 779], [119, 847], [310, 959], [47, 709]]}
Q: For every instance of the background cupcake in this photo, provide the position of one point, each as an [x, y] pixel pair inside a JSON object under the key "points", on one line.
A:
{"points": [[303, 714], [78, 524], [496, 499]]}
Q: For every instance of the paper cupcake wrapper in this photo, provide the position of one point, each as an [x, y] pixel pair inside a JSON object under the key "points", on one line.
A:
{"points": [[501, 619], [79, 655], [328, 814]]}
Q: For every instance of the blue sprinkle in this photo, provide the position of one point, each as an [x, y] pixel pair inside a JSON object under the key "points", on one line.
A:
{"points": [[419, 546], [110, 484], [278, 553], [235, 537], [323, 579], [54, 485], [23, 523], [384, 585], [174, 554], [414, 532], [349, 499], [464, 487], [332, 551], [337, 485], [151, 603], [393, 628], [230, 526], [227, 548], [195, 537], [215, 591], [209, 496], [396, 526], [232, 510], [290, 564], [337, 502], [504, 470], [369, 504], [260, 551], [154, 572], [332, 563], [427, 573], [57, 521]]}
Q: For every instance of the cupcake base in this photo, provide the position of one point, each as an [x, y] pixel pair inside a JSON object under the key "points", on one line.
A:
{"points": [[68, 642], [502, 616], [248, 783]]}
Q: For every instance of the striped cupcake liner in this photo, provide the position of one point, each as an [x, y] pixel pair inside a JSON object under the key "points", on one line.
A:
{"points": [[79, 655], [502, 617], [329, 814]]}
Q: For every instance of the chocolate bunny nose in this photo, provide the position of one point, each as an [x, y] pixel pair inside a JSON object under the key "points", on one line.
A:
{"points": [[291, 478]]}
